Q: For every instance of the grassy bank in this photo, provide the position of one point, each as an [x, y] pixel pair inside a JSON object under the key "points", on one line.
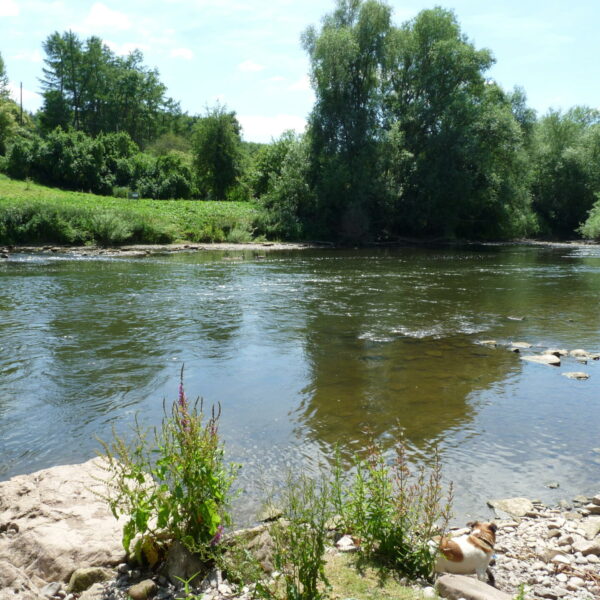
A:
{"points": [[32, 213]]}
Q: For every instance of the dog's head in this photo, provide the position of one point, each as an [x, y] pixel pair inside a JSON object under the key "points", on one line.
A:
{"points": [[484, 530]]}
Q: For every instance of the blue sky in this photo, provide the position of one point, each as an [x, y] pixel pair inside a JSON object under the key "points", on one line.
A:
{"points": [[247, 53]]}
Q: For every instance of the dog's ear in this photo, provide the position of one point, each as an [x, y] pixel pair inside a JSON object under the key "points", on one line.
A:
{"points": [[472, 524]]}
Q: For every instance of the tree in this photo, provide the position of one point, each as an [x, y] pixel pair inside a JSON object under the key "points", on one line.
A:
{"points": [[347, 57], [4, 92], [216, 148], [566, 153]]}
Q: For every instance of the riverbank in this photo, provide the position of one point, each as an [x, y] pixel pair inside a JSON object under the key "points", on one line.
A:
{"points": [[53, 523]]}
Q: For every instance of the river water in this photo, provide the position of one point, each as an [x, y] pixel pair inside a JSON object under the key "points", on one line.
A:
{"points": [[305, 350]]}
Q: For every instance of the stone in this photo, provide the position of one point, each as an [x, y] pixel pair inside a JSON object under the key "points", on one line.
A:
{"points": [[96, 592], [62, 525], [557, 351], [51, 589], [579, 353], [590, 527], [455, 587], [82, 579], [491, 343], [346, 544], [596, 500], [576, 375], [575, 583], [543, 359], [587, 547], [552, 485], [581, 499], [181, 564], [593, 509], [516, 507], [142, 590], [429, 592], [521, 345]]}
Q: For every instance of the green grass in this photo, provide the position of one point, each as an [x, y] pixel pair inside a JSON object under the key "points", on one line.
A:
{"points": [[365, 584], [32, 213]]}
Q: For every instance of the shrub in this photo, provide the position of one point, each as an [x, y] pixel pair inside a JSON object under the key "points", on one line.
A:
{"points": [[176, 488], [393, 510]]}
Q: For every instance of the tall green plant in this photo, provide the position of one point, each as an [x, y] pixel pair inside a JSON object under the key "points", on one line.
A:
{"points": [[393, 509], [175, 488]]}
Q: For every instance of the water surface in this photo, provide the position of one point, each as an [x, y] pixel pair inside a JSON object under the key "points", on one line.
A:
{"points": [[308, 349]]}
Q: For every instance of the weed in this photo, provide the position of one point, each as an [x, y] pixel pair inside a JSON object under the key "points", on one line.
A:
{"points": [[174, 489]]}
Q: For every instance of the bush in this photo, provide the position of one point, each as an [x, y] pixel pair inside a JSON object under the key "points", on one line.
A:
{"points": [[590, 229], [175, 488], [393, 511]]}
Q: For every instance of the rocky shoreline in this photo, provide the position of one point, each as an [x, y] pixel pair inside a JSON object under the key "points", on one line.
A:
{"points": [[59, 541]]}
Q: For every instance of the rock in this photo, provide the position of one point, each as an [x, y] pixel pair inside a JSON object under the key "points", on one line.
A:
{"points": [[557, 351], [181, 564], [543, 359], [580, 499], [517, 507], [515, 318], [491, 343], [346, 544], [521, 345], [587, 547], [142, 590], [576, 375], [552, 485], [454, 587], [96, 592], [50, 589], [591, 527], [82, 579], [596, 500], [593, 509], [62, 525], [579, 353]]}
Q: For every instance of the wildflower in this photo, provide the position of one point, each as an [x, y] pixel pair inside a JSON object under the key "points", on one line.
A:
{"points": [[217, 537]]}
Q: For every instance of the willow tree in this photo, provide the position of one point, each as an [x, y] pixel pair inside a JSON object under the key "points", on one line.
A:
{"points": [[347, 57]]}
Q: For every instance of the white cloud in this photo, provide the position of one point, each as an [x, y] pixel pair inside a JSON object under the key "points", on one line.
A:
{"points": [[9, 8], [257, 128], [126, 48], [276, 79], [249, 66], [34, 56], [302, 85], [185, 53], [103, 17]]}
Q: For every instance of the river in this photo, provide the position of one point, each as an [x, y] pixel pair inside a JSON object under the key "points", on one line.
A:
{"points": [[307, 349]]}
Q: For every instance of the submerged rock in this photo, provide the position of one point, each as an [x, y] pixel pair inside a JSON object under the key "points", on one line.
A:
{"points": [[543, 359], [576, 375]]}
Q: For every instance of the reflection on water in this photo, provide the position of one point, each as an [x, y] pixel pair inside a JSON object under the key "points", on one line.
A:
{"points": [[305, 350]]}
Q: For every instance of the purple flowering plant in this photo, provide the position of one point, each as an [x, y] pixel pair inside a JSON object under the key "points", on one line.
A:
{"points": [[176, 487]]}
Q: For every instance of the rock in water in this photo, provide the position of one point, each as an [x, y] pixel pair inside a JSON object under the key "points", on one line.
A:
{"points": [[576, 375], [521, 345], [543, 359], [61, 526]]}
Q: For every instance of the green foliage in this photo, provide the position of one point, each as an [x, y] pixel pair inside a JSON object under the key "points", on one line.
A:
{"points": [[290, 205], [175, 487], [566, 159], [590, 229], [300, 538], [217, 153], [394, 511], [90, 88]]}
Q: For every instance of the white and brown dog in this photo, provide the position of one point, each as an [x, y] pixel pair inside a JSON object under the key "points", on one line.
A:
{"points": [[468, 553]]}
